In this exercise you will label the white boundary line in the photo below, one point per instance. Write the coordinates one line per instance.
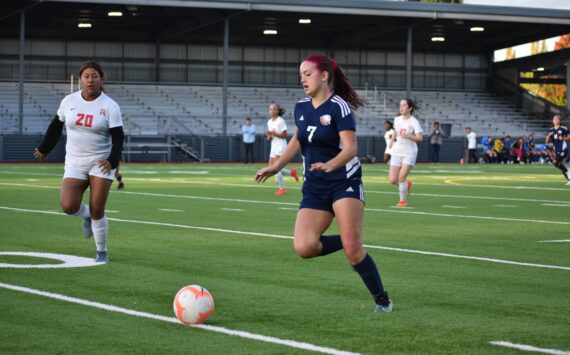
(239, 333)
(529, 348)
(289, 237)
(298, 188)
(398, 210)
(555, 241)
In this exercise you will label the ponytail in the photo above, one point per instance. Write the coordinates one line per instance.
(340, 83)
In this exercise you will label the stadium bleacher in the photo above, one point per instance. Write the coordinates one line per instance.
(174, 109)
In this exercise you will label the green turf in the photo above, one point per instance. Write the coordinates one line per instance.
(442, 304)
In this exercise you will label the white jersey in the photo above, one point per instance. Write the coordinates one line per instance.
(87, 124)
(278, 126)
(406, 147)
(387, 138)
(472, 140)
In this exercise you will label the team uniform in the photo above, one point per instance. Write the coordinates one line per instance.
(278, 145)
(88, 138)
(560, 146)
(318, 135)
(387, 138)
(405, 151)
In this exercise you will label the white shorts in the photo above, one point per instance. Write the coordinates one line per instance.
(398, 160)
(82, 172)
(277, 149)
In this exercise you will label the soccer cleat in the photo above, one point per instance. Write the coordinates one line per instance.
(121, 186)
(281, 192)
(384, 309)
(87, 231)
(568, 183)
(402, 204)
(102, 257)
(383, 303)
(294, 174)
(409, 187)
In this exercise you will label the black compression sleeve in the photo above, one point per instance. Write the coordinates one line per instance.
(117, 137)
(52, 136)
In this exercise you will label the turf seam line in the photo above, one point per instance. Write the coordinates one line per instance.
(238, 333)
(500, 261)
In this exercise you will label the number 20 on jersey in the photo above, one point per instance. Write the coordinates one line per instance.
(84, 120)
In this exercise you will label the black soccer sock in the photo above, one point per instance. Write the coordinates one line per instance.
(563, 169)
(369, 273)
(119, 178)
(331, 244)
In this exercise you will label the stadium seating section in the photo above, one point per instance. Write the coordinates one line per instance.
(170, 109)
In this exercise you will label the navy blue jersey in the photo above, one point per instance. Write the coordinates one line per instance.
(558, 134)
(318, 133)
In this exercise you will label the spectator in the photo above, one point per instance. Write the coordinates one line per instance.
(436, 139)
(248, 130)
(471, 145)
(531, 154)
(508, 150)
(489, 154)
(518, 149)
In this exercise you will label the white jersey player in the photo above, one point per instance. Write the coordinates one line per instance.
(93, 151)
(389, 127)
(404, 148)
(277, 133)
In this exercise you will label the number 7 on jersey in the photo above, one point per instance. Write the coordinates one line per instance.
(311, 130)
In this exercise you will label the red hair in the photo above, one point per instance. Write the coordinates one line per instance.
(340, 83)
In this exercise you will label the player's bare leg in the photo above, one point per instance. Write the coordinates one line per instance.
(70, 200)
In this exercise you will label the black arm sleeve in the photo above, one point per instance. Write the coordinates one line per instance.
(117, 138)
(52, 136)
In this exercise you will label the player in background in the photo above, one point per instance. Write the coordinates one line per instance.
(277, 133)
(326, 136)
(558, 135)
(404, 148)
(93, 151)
(389, 127)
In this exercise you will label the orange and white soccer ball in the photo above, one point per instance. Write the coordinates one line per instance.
(193, 304)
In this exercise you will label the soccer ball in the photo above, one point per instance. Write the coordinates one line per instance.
(193, 304)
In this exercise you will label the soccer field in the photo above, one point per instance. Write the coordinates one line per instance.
(481, 255)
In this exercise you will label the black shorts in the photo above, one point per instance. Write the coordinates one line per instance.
(561, 156)
(321, 196)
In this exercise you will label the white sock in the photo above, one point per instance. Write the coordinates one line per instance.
(279, 178)
(100, 228)
(403, 190)
(285, 171)
(83, 211)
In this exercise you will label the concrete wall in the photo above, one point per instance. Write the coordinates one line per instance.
(20, 148)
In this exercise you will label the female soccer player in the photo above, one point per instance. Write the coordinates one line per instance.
(277, 134)
(93, 150)
(325, 134)
(404, 148)
(557, 135)
(389, 127)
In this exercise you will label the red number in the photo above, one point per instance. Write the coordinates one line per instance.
(79, 121)
(84, 120)
(402, 131)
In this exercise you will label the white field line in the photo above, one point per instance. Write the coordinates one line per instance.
(507, 206)
(232, 209)
(298, 188)
(557, 204)
(166, 210)
(395, 210)
(500, 261)
(239, 333)
(448, 206)
(529, 348)
(555, 241)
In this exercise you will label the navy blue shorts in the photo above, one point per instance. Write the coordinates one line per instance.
(561, 155)
(321, 196)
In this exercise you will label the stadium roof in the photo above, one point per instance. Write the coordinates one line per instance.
(334, 23)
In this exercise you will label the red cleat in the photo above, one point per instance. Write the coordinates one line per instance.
(281, 192)
(294, 174)
(402, 204)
